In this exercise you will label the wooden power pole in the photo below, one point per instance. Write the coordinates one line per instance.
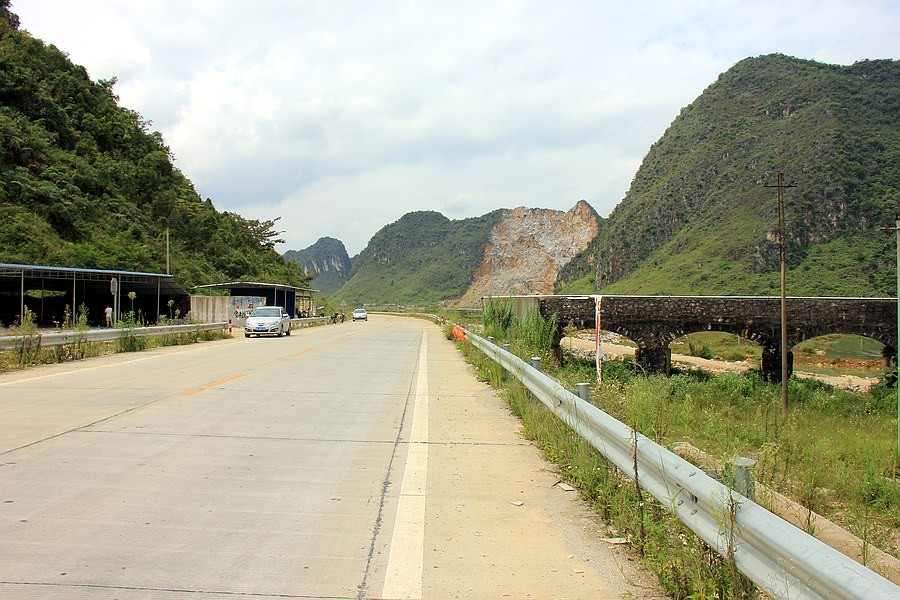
(779, 186)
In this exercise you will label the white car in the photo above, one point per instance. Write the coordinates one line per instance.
(360, 314)
(268, 320)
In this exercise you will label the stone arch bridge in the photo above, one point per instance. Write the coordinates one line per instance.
(652, 322)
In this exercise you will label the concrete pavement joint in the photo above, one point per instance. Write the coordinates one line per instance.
(386, 484)
(77, 370)
(106, 418)
(74, 429)
(298, 439)
(78, 367)
(235, 437)
(170, 590)
(294, 393)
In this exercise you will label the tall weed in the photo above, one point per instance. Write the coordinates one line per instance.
(128, 341)
(533, 335)
(80, 348)
(29, 347)
(499, 317)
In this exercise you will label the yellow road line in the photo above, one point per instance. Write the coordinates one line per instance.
(302, 352)
(213, 384)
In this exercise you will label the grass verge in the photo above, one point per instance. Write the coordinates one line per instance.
(835, 454)
(31, 353)
(685, 565)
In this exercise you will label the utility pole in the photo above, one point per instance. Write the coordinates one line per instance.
(896, 229)
(779, 185)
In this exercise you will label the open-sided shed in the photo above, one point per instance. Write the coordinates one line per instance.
(293, 299)
(48, 290)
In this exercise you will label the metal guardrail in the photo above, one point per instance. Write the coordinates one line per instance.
(13, 342)
(309, 322)
(781, 559)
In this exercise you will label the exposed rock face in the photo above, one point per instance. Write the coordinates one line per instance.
(326, 262)
(317, 266)
(527, 249)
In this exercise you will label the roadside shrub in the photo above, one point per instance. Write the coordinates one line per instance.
(734, 356)
(699, 350)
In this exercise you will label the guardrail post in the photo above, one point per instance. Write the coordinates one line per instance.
(583, 391)
(536, 362)
(491, 339)
(739, 475)
(506, 347)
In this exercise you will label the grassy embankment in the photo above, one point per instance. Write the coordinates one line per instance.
(819, 456)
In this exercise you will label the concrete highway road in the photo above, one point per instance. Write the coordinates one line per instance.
(359, 460)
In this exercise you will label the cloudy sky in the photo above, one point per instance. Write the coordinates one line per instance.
(341, 116)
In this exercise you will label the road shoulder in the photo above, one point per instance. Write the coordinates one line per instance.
(497, 525)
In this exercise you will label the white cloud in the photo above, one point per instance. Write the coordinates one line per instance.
(341, 116)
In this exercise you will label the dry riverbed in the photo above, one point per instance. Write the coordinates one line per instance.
(583, 344)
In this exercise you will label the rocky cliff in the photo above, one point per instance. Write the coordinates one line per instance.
(425, 258)
(326, 262)
(527, 248)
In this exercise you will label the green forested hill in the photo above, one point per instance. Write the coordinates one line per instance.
(86, 183)
(422, 258)
(698, 218)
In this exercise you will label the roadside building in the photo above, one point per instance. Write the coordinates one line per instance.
(49, 291)
(233, 301)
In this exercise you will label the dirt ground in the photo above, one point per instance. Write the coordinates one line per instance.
(585, 347)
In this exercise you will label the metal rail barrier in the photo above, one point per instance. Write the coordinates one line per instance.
(309, 322)
(781, 559)
(13, 342)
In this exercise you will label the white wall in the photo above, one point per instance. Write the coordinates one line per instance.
(234, 309)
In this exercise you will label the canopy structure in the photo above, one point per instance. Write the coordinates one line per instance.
(49, 292)
(292, 298)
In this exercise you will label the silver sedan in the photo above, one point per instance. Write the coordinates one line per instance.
(268, 320)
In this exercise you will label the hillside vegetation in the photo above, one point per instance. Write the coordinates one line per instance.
(422, 258)
(85, 182)
(699, 219)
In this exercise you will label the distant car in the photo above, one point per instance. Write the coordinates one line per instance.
(360, 314)
(268, 320)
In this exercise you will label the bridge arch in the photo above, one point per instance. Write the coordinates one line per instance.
(654, 321)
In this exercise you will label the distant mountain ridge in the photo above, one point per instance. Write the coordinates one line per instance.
(326, 261)
(426, 258)
(700, 219)
(422, 258)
